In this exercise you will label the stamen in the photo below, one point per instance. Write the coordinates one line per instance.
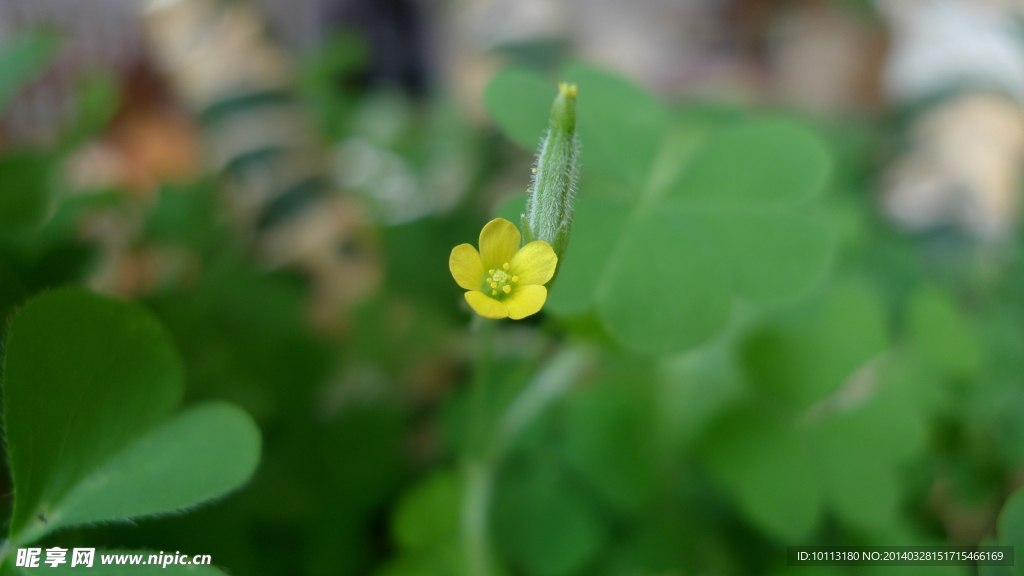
(506, 288)
(515, 278)
(494, 284)
(490, 279)
(491, 272)
(494, 292)
(505, 265)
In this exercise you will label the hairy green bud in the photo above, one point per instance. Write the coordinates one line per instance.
(549, 208)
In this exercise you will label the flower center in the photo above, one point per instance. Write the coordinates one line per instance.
(500, 280)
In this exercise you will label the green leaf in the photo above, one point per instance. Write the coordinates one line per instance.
(940, 335)
(619, 123)
(429, 513)
(22, 59)
(609, 439)
(519, 100)
(994, 570)
(89, 385)
(695, 387)
(1011, 526)
(200, 454)
(98, 101)
(425, 526)
(442, 560)
(544, 524)
(84, 377)
(664, 278)
(183, 215)
(848, 454)
(597, 226)
(808, 354)
(12, 293)
(775, 257)
(769, 162)
(664, 290)
(143, 568)
(24, 189)
(761, 460)
(857, 478)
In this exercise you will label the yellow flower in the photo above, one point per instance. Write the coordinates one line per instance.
(504, 280)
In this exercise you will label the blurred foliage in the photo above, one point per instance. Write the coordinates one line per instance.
(22, 58)
(773, 364)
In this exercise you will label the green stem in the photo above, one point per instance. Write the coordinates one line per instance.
(477, 472)
(551, 382)
(488, 441)
(484, 330)
(477, 483)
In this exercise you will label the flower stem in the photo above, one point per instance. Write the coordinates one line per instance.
(488, 441)
(477, 483)
(477, 472)
(551, 382)
(484, 330)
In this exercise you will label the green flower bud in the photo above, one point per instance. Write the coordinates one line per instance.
(549, 208)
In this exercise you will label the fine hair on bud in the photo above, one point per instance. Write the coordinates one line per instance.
(549, 207)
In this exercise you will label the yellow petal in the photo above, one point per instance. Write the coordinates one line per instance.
(499, 241)
(486, 306)
(466, 266)
(534, 263)
(525, 301)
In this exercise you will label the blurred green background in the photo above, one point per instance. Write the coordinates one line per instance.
(746, 348)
